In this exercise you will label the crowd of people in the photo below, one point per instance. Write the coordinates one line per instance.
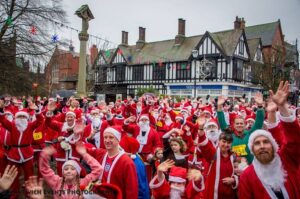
(150, 147)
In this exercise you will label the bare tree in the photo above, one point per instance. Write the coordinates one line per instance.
(30, 21)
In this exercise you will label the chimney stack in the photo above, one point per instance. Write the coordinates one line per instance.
(141, 42)
(243, 23)
(181, 32)
(239, 23)
(124, 38)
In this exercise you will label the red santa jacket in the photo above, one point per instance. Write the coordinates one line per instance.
(161, 190)
(289, 153)
(148, 142)
(20, 142)
(62, 154)
(220, 168)
(126, 181)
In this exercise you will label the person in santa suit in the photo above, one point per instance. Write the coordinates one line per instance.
(66, 139)
(93, 132)
(115, 118)
(212, 131)
(221, 181)
(175, 187)
(146, 136)
(119, 169)
(250, 119)
(20, 153)
(4, 142)
(273, 172)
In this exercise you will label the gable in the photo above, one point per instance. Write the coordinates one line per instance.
(208, 46)
(101, 60)
(241, 48)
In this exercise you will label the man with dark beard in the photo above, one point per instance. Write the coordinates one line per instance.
(20, 152)
(273, 172)
(175, 187)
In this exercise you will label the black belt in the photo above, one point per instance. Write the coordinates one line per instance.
(21, 146)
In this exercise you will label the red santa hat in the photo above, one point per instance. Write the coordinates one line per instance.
(177, 174)
(22, 113)
(212, 121)
(74, 164)
(115, 130)
(185, 109)
(250, 117)
(118, 111)
(144, 116)
(71, 113)
(95, 110)
(179, 116)
(207, 109)
(242, 109)
(261, 132)
(130, 145)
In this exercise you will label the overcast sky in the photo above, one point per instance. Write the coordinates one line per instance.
(160, 17)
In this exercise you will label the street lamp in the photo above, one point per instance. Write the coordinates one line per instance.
(195, 55)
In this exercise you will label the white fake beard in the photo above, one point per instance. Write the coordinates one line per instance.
(144, 126)
(266, 172)
(176, 192)
(96, 122)
(168, 122)
(155, 115)
(21, 124)
(213, 135)
(138, 109)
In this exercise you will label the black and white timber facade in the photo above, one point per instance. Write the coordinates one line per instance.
(170, 67)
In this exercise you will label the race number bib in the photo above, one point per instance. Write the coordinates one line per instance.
(240, 150)
(37, 135)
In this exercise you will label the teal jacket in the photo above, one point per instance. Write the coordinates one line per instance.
(240, 143)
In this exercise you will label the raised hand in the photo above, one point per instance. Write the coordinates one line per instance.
(271, 107)
(166, 165)
(258, 98)
(282, 93)
(51, 106)
(80, 148)
(221, 100)
(34, 187)
(32, 106)
(8, 177)
(194, 174)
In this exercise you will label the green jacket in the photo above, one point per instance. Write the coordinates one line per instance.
(240, 144)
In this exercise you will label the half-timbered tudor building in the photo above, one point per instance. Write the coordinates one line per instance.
(170, 67)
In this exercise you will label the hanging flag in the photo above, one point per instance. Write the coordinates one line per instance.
(183, 66)
(107, 53)
(54, 38)
(33, 30)
(178, 67)
(188, 67)
(9, 21)
(119, 52)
